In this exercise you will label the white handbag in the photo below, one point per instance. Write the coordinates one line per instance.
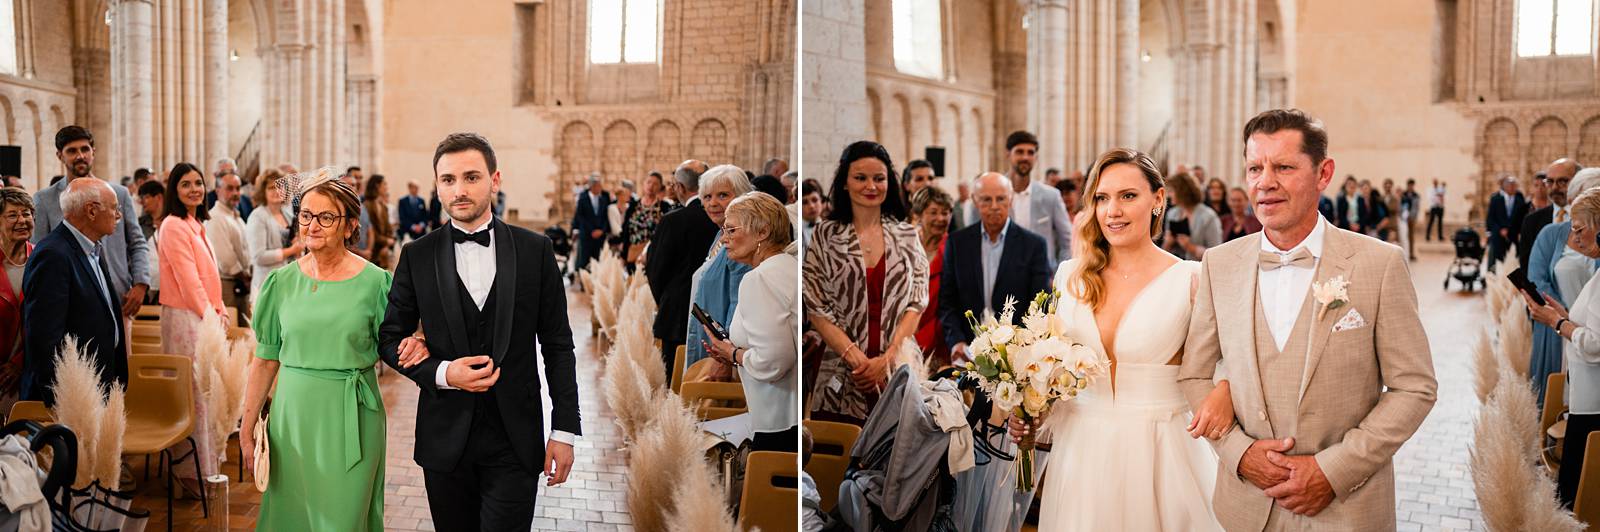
(263, 454)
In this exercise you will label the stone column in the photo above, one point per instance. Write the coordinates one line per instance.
(834, 81)
(217, 63)
(1047, 81)
(1127, 119)
(132, 58)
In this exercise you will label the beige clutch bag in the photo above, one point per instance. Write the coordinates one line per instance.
(262, 455)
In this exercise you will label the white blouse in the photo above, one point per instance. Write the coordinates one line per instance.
(1583, 351)
(766, 324)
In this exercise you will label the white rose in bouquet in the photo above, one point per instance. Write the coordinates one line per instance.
(1006, 396)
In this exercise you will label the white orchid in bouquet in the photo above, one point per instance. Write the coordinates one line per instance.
(1025, 370)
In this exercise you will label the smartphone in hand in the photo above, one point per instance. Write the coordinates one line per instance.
(1519, 278)
(704, 318)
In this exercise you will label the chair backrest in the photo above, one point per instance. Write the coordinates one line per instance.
(677, 370)
(714, 400)
(831, 444)
(159, 387)
(146, 331)
(1554, 399)
(148, 312)
(1586, 505)
(144, 348)
(771, 490)
(32, 411)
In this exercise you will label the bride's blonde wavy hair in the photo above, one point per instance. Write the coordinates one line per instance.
(1091, 248)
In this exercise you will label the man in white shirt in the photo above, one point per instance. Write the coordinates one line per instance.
(225, 232)
(1035, 206)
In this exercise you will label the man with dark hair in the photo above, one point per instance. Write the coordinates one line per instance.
(140, 176)
(1052, 176)
(1035, 206)
(150, 195)
(681, 242)
(126, 253)
(917, 175)
(1069, 195)
(489, 301)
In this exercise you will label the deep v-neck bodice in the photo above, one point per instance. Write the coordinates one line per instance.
(1160, 310)
(1133, 304)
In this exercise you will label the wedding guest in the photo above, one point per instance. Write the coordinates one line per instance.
(1504, 227)
(680, 244)
(917, 175)
(1554, 184)
(1390, 222)
(1217, 197)
(1070, 196)
(642, 218)
(715, 284)
(268, 233)
(375, 221)
(1035, 206)
(865, 283)
(763, 337)
(1560, 271)
(16, 225)
(589, 223)
(988, 263)
(1581, 330)
(1374, 212)
(1239, 221)
(811, 202)
(625, 200)
(1191, 224)
(1352, 207)
(150, 196)
(192, 288)
(413, 213)
(1052, 176)
(126, 255)
(930, 214)
(1436, 199)
(317, 338)
(1410, 201)
(65, 281)
(225, 234)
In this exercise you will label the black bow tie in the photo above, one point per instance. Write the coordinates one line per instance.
(458, 236)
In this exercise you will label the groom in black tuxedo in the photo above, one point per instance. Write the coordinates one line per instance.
(485, 293)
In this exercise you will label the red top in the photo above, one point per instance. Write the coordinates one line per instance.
(875, 309)
(930, 332)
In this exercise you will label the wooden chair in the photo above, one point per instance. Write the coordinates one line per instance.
(714, 400)
(677, 370)
(770, 497)
(144, 348)
(32, 411)
(146, 332)
(831, 444)
(1586, 504)
(1550, 434)
(160, 413)
(148, 313)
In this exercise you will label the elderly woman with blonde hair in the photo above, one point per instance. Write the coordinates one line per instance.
(763, 340)
(1558, 270)
(1581, 330)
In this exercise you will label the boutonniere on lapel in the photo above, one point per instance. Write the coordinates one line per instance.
(1330, 295)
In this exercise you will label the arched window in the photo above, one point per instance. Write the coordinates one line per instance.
(1555, 27)
(8, 37)
(623, 31)
(919, 38)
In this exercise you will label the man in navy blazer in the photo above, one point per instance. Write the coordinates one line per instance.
(1504, 222)
(589, 222)
(413, 214)
(987, 262)
(70, 292)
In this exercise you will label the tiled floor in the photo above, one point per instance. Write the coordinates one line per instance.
(592, 499)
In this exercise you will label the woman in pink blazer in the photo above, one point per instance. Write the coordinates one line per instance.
(190, 288)
(16, 225)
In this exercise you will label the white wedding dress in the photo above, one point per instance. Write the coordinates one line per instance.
(1124, 460)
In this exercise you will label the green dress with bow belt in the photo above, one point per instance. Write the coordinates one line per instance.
(327, 424)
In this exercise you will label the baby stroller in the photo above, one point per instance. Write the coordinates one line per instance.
(560, 243)
(1467, 268)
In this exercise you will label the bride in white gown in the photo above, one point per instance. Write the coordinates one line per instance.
(1126, 454)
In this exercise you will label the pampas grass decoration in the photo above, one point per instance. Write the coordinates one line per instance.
(108, 449)
(79, 405)
(1512, 492)
(1485, 367)
(1495, 296)
(628, 394)
(656, 462)
(1516, 335)
(910, 355)
(697, 502)
(210, 361)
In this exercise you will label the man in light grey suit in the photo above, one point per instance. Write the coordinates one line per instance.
(1035, 206)
(1329, 366)
(126, 251)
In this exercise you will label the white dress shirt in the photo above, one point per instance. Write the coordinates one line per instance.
(765, 323)
(1583, 352)
(1022, 209)
(1283, 291)
(225, 232)
(475, 265)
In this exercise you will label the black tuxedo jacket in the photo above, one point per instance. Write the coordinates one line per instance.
(1531, 225)
(530, 320)
(60, 298)
(1024, 272)
(677, 249)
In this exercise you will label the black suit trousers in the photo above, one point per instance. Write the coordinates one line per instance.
(488, 490)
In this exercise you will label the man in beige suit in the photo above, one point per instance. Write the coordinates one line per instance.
(1327, 383)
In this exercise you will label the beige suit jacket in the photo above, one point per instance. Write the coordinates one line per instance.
(1364, 392)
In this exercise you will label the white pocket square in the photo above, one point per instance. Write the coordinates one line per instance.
(1351, 320)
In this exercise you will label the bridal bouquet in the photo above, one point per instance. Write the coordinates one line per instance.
(1027, 369)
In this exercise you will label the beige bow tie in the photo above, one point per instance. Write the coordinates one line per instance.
(1301, 258)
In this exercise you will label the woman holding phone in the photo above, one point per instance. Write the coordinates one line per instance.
(1581, 330)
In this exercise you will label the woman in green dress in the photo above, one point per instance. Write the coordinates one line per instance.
(316, 324)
